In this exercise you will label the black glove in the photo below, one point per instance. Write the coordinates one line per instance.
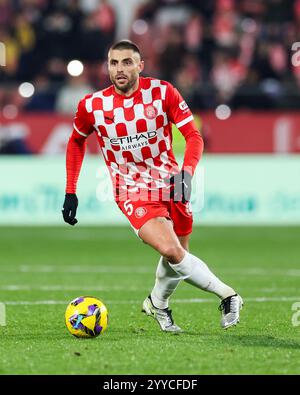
(69, 208)
(181, 187)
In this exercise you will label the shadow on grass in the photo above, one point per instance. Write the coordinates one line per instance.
(261, 341)
(244, 340)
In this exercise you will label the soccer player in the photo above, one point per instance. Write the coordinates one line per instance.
(132, 119)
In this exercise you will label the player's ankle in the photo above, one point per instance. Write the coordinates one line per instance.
(158, 303)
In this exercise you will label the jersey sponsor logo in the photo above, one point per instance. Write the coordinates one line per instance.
(133, 141)
(140, 212)
(150, 111)
(183, 106)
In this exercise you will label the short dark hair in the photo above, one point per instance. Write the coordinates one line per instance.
(126, 44)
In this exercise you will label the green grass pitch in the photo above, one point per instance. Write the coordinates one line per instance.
(42, 269)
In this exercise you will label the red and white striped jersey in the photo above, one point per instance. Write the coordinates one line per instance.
(135, 132)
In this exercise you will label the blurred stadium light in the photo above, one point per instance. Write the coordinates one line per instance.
(26, 89)
(75, 68)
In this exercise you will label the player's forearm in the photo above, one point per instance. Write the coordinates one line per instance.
(193, 150)
(74, 157)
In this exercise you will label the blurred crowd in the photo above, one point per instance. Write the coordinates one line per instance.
(236, 52)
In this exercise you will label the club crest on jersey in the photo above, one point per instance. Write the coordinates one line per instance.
(150, 111)
(140, 212)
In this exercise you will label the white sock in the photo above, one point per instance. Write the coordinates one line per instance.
(166, 282)
(194, 271)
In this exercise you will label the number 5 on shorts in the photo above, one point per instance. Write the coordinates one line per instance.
(128, 207)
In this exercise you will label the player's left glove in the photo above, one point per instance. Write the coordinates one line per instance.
(181, 187)
(70, 208)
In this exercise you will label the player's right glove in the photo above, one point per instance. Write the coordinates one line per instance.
(70, 208)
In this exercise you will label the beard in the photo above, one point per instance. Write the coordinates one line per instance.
(124, 87)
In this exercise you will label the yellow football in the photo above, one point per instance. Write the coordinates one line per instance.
(86, 317)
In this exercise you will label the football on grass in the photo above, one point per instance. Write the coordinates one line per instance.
(86, 317)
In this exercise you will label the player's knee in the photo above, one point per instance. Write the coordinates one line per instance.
(173, 253)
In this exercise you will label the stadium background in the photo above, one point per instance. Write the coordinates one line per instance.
(232, 61)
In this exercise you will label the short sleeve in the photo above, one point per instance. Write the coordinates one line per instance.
(81, 122)
(177, 110)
